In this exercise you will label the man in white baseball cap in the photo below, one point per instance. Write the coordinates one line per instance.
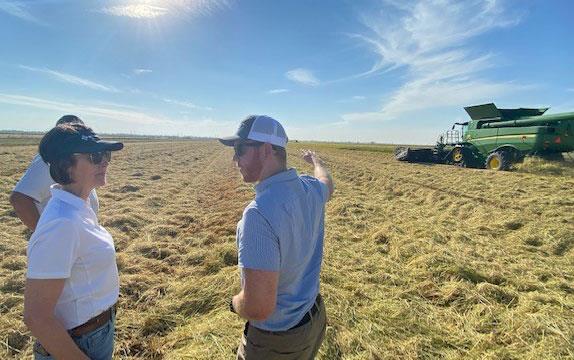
(280, 245)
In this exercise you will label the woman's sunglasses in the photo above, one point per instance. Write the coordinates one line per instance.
(241, 148)
(96, 158)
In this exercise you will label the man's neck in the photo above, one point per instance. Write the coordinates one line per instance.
(266, 173)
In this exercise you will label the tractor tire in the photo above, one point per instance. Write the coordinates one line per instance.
(457, 156)
(499, 161)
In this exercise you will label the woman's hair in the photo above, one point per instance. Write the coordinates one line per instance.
(60, 170)
(50, 145)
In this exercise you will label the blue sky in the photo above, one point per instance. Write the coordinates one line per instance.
(387, 71)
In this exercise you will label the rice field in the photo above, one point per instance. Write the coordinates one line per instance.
(421, 261)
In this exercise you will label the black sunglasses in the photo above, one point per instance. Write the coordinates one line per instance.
(96, 158)
(240, 148)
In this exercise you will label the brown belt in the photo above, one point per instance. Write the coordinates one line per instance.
(93, 323)
(80, 330)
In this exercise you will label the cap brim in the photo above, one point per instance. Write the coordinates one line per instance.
(111, 145)
(100, 146)
(229, 141)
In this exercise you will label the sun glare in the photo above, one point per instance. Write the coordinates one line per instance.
(149, 9)
(139, 11)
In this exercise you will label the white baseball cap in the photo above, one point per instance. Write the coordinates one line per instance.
(260, 128)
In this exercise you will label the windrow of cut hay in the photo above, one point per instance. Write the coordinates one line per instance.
(420, 261)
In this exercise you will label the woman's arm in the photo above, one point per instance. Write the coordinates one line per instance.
(40, 298)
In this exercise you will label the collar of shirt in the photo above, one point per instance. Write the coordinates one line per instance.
(67, 197)
(289, 174)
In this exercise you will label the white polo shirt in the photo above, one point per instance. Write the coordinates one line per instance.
(70, 244)
(36, 183)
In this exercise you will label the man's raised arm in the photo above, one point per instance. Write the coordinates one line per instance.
(320, 170)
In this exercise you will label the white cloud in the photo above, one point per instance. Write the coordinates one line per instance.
(71, 79)
(149, 9)
(18, 9)
(117, 112)
(277, 91)
(199, 7)
(187, 104)
(138, 11)
(352, 100)
(114, 117)
(141, 71)
(363, 117)
(302, 76)
(206, 127)
(429, 40)
(116, 105)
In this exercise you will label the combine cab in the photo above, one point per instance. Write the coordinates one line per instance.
(497, 138)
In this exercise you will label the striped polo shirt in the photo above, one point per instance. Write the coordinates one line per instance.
(282, 230)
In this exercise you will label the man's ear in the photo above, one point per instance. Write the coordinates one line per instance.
(267, 151)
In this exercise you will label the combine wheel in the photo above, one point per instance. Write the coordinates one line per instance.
(499, 161)
(457, 156)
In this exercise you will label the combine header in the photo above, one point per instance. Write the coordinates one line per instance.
(497, 138)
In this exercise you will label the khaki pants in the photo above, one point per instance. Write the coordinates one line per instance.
(302, 342)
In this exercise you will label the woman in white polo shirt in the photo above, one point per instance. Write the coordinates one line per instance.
(72, 278)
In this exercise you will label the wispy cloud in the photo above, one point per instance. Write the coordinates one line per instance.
(145, 121)
(429, 41)
(188, 104)
(116, 105)
(71, 79)
(141, 71)
(277, 91)
(138, 11)
(19, 10)
(199, 7)
(352, 100)
(115, 112)
(154, 9)
(302, 76)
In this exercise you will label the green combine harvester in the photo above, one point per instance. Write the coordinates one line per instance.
(498, 138)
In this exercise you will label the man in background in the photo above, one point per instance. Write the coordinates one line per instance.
(32, 192)
(280, 246)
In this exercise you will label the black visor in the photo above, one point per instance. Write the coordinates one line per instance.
(88, 143)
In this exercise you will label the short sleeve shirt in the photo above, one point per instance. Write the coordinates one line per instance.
(36, 183)
(282, 230)
(70, 244)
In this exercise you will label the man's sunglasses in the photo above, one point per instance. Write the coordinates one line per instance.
(241, 148)
(96, 158)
